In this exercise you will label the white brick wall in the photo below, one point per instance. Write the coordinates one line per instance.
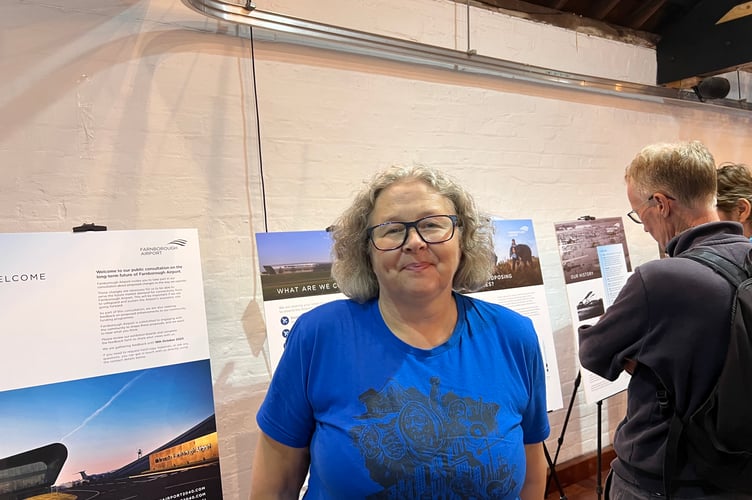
(141, 115)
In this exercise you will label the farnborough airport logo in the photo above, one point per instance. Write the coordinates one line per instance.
(158, 250)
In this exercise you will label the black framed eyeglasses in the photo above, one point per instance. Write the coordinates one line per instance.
(635, 216)
(433, 229)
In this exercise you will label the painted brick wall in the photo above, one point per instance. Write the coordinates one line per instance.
(142, 114)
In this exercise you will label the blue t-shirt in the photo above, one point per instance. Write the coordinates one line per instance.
(384, 419)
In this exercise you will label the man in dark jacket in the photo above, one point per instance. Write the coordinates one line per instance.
(670, 323)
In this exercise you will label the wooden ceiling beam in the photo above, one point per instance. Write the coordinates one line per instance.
(604, 9)
(646, 11)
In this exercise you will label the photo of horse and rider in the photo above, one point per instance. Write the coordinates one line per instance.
(517, 263)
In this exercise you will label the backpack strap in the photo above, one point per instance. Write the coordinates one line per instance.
(723, 266)
(671, 459)
(734, 274)
(666, 407)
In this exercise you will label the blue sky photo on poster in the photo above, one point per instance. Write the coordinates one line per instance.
(517, 262)
(104, 421)
(520, 230)
(291, 248)
(295, 264)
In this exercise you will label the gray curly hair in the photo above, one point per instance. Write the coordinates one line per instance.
(351, 267)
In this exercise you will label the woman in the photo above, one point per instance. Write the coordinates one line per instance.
(408, 389)
(734, 200)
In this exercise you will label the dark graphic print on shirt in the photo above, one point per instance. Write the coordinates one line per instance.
(431, 445)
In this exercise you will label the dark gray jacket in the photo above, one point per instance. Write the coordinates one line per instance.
(673, 318)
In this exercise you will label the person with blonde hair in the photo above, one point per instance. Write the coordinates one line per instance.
(670, 324)
(735, 195)
(408, 389)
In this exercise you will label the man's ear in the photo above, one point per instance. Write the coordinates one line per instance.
(744, 207)
(663, 204)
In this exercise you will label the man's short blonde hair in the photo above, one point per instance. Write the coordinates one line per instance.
(683, 170)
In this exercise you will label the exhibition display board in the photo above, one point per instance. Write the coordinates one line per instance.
(595, 259)
(295, 277)
(105, 384)
(517, 283)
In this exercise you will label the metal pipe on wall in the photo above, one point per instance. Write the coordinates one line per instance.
(279, 28)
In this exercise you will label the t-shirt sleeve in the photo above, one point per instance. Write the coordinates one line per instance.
(535, 424)
(286, 414)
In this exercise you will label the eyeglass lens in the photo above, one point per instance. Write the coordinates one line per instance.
(432, 229)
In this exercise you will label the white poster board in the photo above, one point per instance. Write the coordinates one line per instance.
(106, 362)
(296, 276)
(517, 283)
(595, 260)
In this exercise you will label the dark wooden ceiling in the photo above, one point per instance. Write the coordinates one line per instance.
(651, 17)
(693, 38)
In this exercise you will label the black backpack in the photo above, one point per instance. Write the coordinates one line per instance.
(718, 436)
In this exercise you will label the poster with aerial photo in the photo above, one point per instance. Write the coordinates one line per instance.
(105, 385)
(595, 260)
(517, 283)
(296, 276)
(578, 246)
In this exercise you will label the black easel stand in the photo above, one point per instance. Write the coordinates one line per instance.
(552, 468)
(599, 456)
(560, 441)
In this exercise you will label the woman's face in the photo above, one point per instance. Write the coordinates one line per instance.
(417, 270)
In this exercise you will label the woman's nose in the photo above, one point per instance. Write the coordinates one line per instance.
(413, 239)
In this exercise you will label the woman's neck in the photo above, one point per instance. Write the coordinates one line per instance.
(421, 325)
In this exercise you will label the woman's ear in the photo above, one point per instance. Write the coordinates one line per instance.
(744, 208)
